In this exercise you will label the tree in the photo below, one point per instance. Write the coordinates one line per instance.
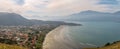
(107, 44)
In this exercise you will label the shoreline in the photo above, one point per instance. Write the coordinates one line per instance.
(44, 43)
(57, 39)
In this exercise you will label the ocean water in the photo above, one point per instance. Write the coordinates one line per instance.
(94, 33)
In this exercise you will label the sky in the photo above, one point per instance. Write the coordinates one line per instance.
(48, 8)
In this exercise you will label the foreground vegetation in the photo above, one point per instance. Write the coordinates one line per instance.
(6, 46)
(114, 45)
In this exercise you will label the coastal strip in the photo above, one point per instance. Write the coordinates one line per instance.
(57, 39)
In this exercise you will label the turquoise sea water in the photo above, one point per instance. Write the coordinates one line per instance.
(95, 33)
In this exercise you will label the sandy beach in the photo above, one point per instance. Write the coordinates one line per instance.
(56, 39)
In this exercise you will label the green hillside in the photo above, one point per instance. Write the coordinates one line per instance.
(115, 45)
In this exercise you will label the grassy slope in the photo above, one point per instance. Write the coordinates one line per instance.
(5, 46)
(113, 46)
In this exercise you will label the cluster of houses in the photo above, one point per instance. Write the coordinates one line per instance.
(23, 35)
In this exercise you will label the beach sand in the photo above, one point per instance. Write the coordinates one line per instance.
(56, 39)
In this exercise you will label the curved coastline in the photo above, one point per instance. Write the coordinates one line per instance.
(57, 39)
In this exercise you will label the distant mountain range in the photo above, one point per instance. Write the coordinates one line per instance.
(93, 16)
(12, 19)
(16, 19)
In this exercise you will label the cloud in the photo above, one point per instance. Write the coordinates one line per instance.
(31, 8)
(19, 2)
(111, 2)
(66, 7)
(111, 5)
